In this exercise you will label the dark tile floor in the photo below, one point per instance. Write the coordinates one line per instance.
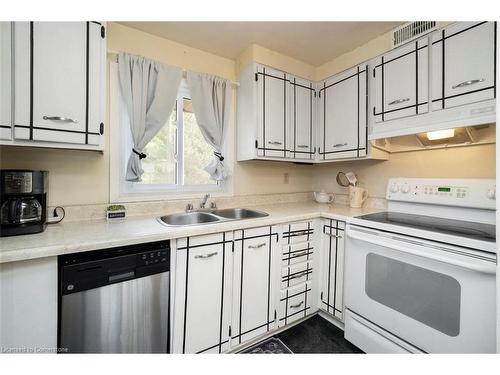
(316, 335)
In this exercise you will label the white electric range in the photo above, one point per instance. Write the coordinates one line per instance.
(420, 277)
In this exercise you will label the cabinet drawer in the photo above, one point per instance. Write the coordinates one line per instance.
(296, 274)
(295, 303)
(298, 232)
(298, 253)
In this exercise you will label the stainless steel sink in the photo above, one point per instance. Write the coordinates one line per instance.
(239, 213)
(189, 218)
(197, 217)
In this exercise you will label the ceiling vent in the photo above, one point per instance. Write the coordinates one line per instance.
(410, 31)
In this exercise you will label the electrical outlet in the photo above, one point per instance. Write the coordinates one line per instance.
(286, 178)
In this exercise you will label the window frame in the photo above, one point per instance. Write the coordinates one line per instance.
(121, 144)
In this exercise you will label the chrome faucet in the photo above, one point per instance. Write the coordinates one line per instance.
(204, 201)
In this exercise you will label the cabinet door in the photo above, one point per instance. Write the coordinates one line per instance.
(301, 115)
(344, 115)
(332, 260)
(401, 82)
(463, 64)
(59, 74)
(28, 308)
(5, 81)
(253, 302)
(272, 108)
(202, 294)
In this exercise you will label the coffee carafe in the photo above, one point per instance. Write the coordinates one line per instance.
(23, 202)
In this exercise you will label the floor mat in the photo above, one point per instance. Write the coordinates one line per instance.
(272, 345)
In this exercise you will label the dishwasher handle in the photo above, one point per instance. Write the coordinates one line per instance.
(413, 249)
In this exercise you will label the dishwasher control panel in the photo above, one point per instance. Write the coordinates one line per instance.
(93, 269)
(153, 257)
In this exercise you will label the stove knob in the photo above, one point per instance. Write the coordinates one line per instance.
(394, 188)
(405, 189)
(491, 194)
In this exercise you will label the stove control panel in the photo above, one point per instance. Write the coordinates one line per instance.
(477, 193)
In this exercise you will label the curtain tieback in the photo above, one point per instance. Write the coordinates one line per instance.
(141, 154)
(219, 155)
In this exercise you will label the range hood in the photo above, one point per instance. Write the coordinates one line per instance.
(443, 138)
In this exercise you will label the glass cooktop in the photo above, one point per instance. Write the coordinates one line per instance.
(476, 231)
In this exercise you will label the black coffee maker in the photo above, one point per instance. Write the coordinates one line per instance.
(23, 202)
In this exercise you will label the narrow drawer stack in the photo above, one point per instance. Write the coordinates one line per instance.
(297, 251)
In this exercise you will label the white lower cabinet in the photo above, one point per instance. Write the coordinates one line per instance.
(233, 287)
(202, 294)
(28, 308)
(253, 283)
(297, 281)
(332, 262)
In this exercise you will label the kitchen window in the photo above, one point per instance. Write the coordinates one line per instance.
(176, 156)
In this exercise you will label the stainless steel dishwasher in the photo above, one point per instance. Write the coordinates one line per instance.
(115, 300)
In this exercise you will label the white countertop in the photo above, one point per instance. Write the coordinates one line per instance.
(73, 237)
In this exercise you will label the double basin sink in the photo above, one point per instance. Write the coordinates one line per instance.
(210, 217)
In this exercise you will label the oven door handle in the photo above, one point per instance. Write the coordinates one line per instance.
(409, 248)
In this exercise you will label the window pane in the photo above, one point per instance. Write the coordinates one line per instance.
(197, 152)
(160, 165)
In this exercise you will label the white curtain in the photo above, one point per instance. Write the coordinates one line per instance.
(149, 90)
(211, 97)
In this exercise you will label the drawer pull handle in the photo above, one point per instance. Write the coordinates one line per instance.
(257, 246)
(399, 101)
(340, 144)
(205, 256)
(299, 254)
(302, 146)
(58, 118)
(299, 275)
(468, 83)
(297, 305)
(274, 143)
(302, 233)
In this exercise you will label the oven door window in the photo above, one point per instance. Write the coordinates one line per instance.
(429, 297)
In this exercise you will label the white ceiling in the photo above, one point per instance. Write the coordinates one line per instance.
(312, 42)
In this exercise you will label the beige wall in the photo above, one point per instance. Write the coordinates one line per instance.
(276, 60)
(460, 162)
(82, 177)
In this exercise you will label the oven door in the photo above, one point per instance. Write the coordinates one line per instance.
(438, 297)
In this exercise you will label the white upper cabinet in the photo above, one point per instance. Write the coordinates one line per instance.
(302, 100)
(59, 82)
(275, 115)
(343, 115)
(463, 64)
(272, 112)
(401, 82)
(5, 81)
